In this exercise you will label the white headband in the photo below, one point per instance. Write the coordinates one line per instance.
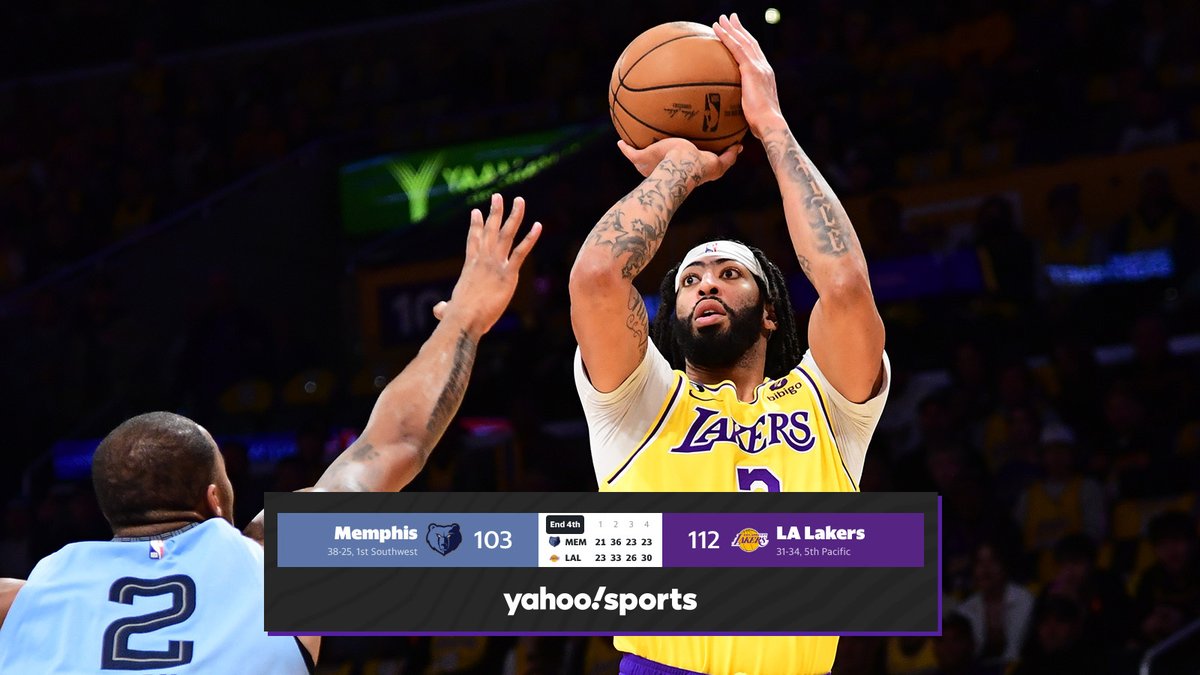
(721, 250)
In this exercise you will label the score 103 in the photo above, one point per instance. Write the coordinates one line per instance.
(492, 539)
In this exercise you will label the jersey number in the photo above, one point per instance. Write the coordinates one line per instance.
(118, 655)
(757, 479)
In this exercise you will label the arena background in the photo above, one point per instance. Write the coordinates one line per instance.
(179, 230)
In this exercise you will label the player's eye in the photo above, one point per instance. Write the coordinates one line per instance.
(689, 279)
(730, 273)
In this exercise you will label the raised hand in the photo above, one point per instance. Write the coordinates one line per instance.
(711, 165)
(760, 96)
(490, 270)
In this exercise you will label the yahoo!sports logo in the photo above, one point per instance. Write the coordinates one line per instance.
(769, 429)
(750, 540)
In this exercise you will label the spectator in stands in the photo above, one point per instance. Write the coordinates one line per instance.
(1159, 220)
(1005, 252)
(1063, 501)
(1057, 645)
(261, 142)
(1128, 447)
(1067, 239)
(999, 611)
(136, 204)
(1106, 606)
(886, 235)
(1150, 122)
(956, 648)
(971, 519)
(1015, 462)
(1171, 586)
(910, 655)
(1073, 381)
(1163, 382)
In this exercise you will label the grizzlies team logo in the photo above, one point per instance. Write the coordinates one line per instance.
(555, 541)
(443, 538)
(750, 540)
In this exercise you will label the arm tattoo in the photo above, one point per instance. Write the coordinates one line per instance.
(452, 391)
(363, 453)
(805, 266)
(637, 320)
(832, 233)
(636, 236)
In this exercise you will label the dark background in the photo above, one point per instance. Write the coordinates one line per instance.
(170, 239)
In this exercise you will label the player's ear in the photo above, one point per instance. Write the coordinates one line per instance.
(770, 323)
(212, 499)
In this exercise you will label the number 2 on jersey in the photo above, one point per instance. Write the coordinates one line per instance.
(118, 655)
(757, 479)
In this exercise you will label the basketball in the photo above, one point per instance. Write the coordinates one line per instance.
(677, 80)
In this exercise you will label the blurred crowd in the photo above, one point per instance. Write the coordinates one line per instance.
(881, 96)
(1069, 469)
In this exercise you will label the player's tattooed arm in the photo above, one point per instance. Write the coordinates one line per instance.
(832, 234)
(845, 332)
(415, 408)
(607, 312)
(631, 231)
(410, 417)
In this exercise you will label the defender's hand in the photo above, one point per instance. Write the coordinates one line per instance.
(490, 271)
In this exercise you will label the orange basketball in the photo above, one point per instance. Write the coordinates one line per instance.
(677, 80)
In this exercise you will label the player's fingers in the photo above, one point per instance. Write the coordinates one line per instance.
(495, 212)
(475, 231)
(522, 249)
(725, 34)
(512, 223)
(730, 155)
(744, 34)
(749, 46)
(439, 310)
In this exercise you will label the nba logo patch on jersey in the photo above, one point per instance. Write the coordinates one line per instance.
(443, 538)
(158, 549)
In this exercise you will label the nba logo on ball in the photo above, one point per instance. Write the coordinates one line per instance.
(712, 111)
(750, 540)
(158, 550)
(443, 538)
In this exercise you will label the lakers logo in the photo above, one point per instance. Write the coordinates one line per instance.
(750, 540)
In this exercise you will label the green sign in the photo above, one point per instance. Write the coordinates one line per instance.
(383, 193)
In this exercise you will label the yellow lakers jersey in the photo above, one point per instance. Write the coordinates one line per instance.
(707, 440)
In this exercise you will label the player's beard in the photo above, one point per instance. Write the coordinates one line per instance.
(720, 346)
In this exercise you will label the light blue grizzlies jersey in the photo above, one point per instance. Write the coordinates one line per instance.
(190, 603)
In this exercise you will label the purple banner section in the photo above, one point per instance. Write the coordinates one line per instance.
(793, 539)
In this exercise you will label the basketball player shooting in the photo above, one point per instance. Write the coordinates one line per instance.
(717, 395)
(179, 589)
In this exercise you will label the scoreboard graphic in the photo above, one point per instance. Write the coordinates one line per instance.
(571, 563)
